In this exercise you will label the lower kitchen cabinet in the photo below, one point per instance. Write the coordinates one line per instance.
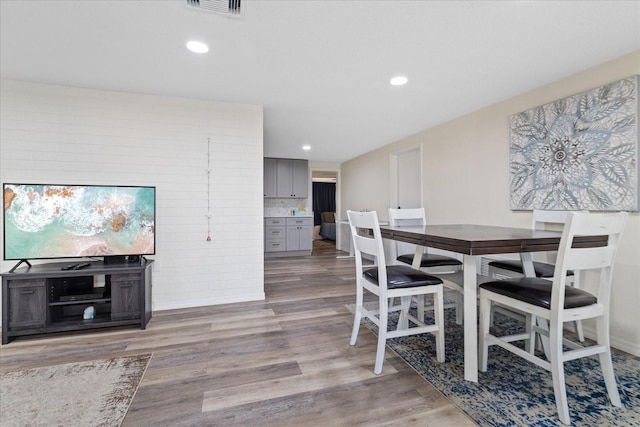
(288, 236)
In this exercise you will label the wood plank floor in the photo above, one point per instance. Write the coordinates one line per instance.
(285, 361)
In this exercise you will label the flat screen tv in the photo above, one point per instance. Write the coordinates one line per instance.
(44, 221)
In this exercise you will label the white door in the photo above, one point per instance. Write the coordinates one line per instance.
(409, 179)
(406, 178)
(406, 185)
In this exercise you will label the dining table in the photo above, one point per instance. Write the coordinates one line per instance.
(473, 241)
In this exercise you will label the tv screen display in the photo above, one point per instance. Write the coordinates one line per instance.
(66, 221)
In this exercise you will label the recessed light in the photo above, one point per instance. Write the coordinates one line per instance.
(197, 47)
(399, 80)
(306, 147)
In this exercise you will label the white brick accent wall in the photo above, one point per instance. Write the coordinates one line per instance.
(65, 135)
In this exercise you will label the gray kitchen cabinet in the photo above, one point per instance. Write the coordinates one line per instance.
(300, 178)
(269, 177)
(275, 239)
(288, 236)
(286, 178)
(299, 234)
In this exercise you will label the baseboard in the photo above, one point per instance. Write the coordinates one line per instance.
(173, 305)
(617, 343)
(286, 254)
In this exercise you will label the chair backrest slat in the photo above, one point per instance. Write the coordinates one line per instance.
(366, 245)
(369, 242)
(589, 258)
(415, 216)
(542, 217)
(367, 239)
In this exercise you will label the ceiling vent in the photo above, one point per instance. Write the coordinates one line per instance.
(224, 7)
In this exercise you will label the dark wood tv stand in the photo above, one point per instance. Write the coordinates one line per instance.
(34, 301)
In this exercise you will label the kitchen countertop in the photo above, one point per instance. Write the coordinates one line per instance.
(289, 216)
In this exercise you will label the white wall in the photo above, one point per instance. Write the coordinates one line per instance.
(64, 135)
(466, 180)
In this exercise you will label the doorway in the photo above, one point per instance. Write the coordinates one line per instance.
(325, 198)
(406, 178)
(406, 184)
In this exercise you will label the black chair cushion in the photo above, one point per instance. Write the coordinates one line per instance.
(401, 276)
(542, 269)
(538, 292)
(430, 260)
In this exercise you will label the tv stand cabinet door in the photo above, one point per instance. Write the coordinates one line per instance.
(27, 303)
(126, 296)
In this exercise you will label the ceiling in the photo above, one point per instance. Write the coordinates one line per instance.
(320, 69)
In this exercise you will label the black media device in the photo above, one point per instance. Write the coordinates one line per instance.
(115, 259)
(70, 288)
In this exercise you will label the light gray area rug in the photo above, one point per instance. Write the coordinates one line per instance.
(92, 393)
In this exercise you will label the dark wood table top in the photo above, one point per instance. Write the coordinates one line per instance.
(473, 239)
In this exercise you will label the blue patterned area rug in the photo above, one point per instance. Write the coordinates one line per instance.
(515, 392)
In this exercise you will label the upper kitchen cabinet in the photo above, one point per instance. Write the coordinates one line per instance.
(269, 177)
(299, 179)
(291, 178)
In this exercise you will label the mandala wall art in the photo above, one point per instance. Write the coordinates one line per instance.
(578, 153)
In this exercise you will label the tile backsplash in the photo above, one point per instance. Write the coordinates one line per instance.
(283, 207)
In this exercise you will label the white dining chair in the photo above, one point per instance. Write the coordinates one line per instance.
(541, 220)
(390, 281)
(556, 302)
(430, 263)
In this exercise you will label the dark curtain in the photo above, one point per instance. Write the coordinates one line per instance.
(324, 199)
